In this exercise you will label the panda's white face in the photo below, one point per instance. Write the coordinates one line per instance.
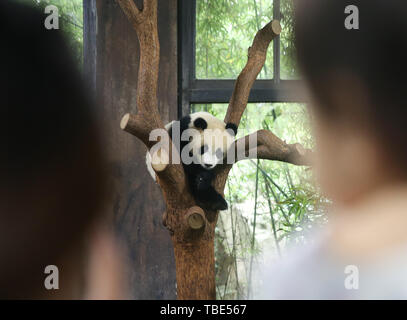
(209, 147)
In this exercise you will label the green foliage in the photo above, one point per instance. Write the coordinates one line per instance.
(70, 22)
(225, 30)
(287, 48)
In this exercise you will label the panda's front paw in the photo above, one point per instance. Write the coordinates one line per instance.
(218, 203)
(221, 205)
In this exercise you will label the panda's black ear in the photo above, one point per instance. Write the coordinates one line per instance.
(184, 123)
(232, 126)
(200, 123)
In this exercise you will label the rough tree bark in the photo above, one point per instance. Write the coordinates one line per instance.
(192, 230)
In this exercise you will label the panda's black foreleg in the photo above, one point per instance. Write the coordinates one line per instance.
(205, 194)
(210, 199)
(202, 181)
(214, 200)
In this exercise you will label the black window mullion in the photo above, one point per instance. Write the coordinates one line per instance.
(276, 43)
(186, 53)
(220, 91)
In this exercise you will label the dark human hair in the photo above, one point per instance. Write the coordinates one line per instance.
(375, 54)
(51, 166)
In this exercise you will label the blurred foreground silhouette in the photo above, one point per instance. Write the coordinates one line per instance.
(52, 172)
(357, 81)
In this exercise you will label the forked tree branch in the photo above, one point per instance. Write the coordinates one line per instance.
(269, 146)
(256, 58)
(130, 10)
(134, 14)
(148, 118)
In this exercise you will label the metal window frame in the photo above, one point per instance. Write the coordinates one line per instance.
(194, 91)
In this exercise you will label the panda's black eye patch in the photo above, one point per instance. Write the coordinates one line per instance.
(191, 153)
(204, 149)
(219, 153)
(200, 123)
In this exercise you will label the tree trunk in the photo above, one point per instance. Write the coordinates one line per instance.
(195, 268)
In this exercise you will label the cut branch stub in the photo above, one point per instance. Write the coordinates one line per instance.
(160, 160)
(195, 218)
(193, 226)
(275, 27)
(170, 175)
(138, 126)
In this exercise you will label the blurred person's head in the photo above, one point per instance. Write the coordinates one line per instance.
(52, 182)
(358, 85)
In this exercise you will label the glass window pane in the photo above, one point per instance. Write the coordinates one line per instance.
(286, 196)
(288, 66)
(225, 30)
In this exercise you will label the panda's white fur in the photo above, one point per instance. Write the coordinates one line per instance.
(149, 166)
(212, 121)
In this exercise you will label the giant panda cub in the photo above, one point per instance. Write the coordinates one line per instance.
(206, 147)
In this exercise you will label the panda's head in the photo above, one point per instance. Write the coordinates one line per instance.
(211, 139)
(208, 147)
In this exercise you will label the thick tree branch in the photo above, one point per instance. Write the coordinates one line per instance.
(271, 147)
(145, 24)
(268, 146)
(256, 58)
(148, 117)
(138, 126)
(150, 6)
(262, 144)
